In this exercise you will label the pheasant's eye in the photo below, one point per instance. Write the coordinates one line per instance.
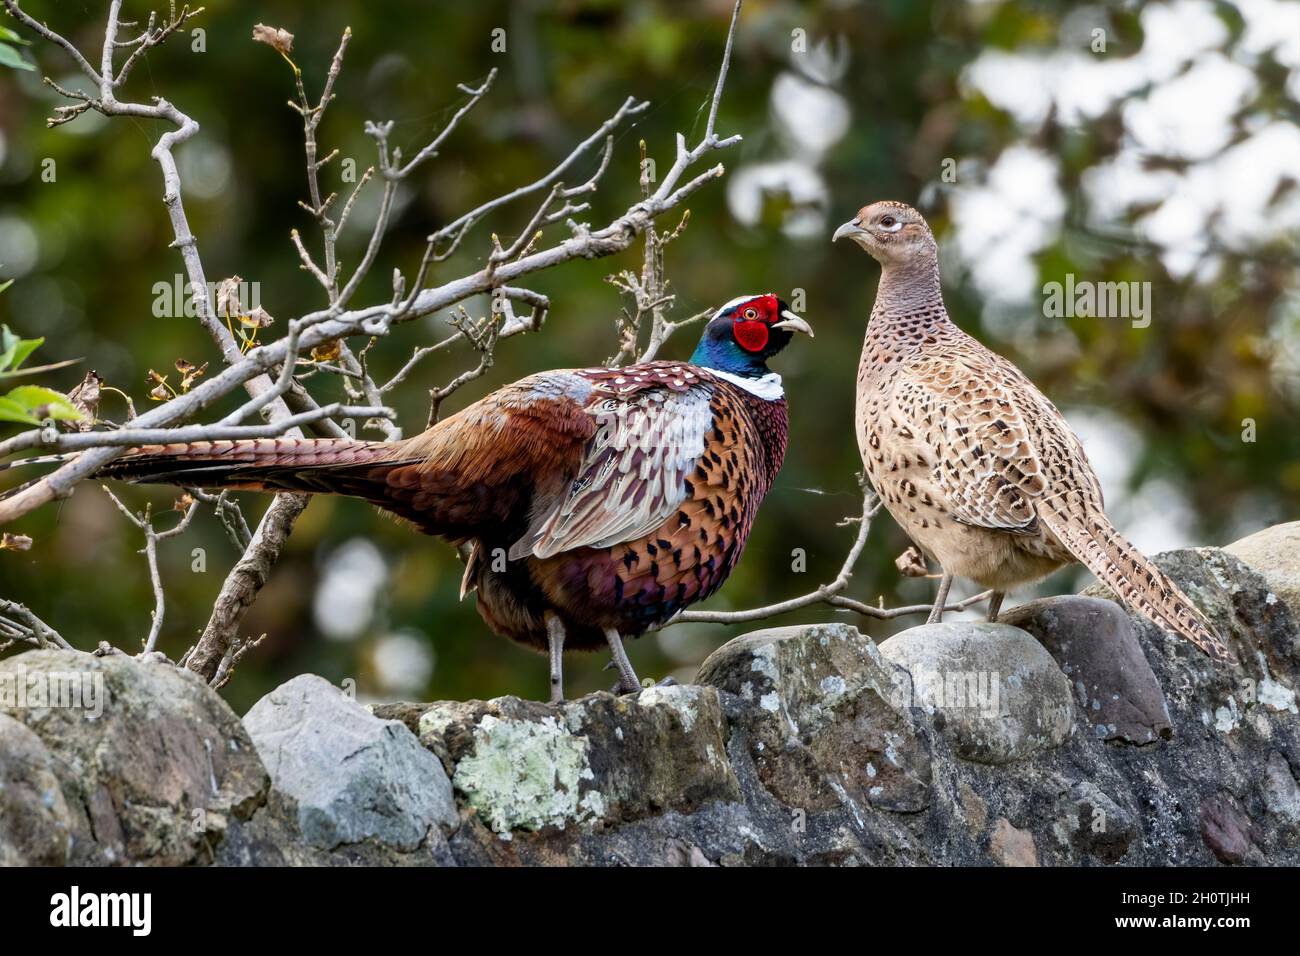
(888, 221)
(751, 314)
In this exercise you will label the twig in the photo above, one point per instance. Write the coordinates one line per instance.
(230, 513)
(235, 653)
(28, 627)
(144, 521)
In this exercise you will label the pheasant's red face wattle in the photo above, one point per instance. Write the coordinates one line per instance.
(752, 335)
(751, 322)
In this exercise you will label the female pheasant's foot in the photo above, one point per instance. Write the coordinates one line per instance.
(936, 613)
(995, 605)
(627, 678)
(555, 641)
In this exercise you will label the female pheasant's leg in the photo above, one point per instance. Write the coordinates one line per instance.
(936, 613)
(631, 684)
(995, 605)
(555, 640)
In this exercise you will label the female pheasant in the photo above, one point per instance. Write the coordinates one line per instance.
(974, 462)
(595, 503)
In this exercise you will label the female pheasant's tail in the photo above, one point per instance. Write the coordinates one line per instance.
(315, 466)
(1093, 540)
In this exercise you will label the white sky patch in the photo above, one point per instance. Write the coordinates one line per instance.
(1229, 198)
(1081, 84)
(814, 118)
(1002, 223)
(349, 588)
(404, 662)
(750, 185)
(1272, 26)
(1189, 117)
(809, 118)
(1224, 197)
(205, 168)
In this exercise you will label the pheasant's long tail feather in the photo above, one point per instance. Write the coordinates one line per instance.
(1093, 540)
(331, 466)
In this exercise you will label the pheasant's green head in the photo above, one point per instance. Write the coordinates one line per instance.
(745, 333)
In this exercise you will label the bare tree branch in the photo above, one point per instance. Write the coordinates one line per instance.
(19, 623)
(144, 521)
(242, 586)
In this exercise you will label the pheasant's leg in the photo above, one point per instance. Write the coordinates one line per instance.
(627, 675)
(936, 613)
(995, 604)
(555, 640)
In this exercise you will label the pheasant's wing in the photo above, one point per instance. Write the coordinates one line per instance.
(652, 424)
(478, 468)
(1000, 443)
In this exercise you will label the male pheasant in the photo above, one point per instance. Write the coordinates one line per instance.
(595, 503)
(974, 462)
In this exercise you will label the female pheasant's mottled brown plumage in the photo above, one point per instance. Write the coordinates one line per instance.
(976, 464)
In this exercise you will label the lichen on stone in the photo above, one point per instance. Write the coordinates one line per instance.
(527, 775)
(682, 698)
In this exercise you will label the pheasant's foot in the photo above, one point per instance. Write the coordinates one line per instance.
(995, 605)
(626, 674)
(936, 613)
(555, 642)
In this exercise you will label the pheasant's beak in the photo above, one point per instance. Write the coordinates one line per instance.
(850, 228)
(795, 324)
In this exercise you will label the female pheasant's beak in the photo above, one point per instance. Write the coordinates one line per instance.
(850, 228)
(795, 324)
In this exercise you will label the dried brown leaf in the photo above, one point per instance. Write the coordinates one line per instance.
(259, 318)
(85, 399)
(189, 373)
(14, 542)
(280, 40)
(228, 297)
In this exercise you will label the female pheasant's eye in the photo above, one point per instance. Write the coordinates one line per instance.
(888, 221)
(751, 314)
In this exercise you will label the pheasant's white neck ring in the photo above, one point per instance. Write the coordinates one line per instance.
(767, 387)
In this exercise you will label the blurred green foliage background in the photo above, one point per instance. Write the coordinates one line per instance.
(840, 103)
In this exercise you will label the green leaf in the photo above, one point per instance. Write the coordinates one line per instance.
(14, 351)
(7, 34)
(6, 284)
(34, 404)
(11, 57)
(11, 411)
